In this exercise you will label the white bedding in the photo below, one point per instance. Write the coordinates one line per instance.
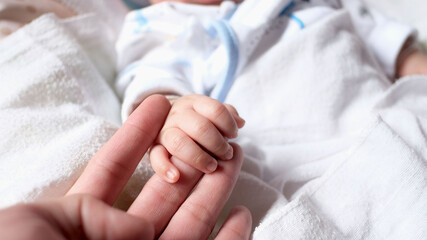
(361, 177)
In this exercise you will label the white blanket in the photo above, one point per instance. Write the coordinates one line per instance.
(333, 150)
(344, 158)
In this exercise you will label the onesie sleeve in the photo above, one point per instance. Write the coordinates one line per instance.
(149, 60)
(385, 37)
(147, 79)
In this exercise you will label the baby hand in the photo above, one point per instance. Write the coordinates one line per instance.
(414, 63)
(196, 131)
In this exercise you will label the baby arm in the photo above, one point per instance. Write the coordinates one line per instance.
(196, 131)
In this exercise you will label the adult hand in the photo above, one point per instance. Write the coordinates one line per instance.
(162, 210)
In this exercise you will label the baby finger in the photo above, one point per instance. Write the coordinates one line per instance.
(183, 147)
(160, 162)
(205, 134)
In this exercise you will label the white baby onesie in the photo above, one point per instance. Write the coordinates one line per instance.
(176, 48)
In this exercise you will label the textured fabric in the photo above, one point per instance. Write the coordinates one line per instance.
(56, 106)
(14, 13)
(167, 48)
(332, 149)
(110, 13)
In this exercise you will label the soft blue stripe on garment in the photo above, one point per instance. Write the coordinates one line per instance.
(299, 21)
(231, 13)
(287, 9)
(141, 20)
(286, 12)
(224, 31)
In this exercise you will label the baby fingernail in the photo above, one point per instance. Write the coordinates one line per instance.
(212, 166)
(171, 174)
(229, 154)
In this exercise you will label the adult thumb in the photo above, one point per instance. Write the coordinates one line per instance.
(93, 219)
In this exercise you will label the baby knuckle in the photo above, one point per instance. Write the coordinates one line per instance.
(217, 110)
(175, 141)
(220, 147)
(177, 144)
(230, 107)
(173, 112)
(202, 128)
(199, 159)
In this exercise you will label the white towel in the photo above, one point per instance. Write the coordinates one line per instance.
(56, 106)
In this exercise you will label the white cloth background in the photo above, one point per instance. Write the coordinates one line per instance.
(351, 148)
(406, 11)
(333, 150)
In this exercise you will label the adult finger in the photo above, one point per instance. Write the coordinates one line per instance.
(92, 219)
(111, 167)
(159, 200)
(198, 214)
(237, 226)
(72, 217)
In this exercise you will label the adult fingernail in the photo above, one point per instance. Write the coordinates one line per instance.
(212, 166)
(229, 154)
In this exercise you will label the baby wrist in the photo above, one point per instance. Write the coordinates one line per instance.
(408, 48)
